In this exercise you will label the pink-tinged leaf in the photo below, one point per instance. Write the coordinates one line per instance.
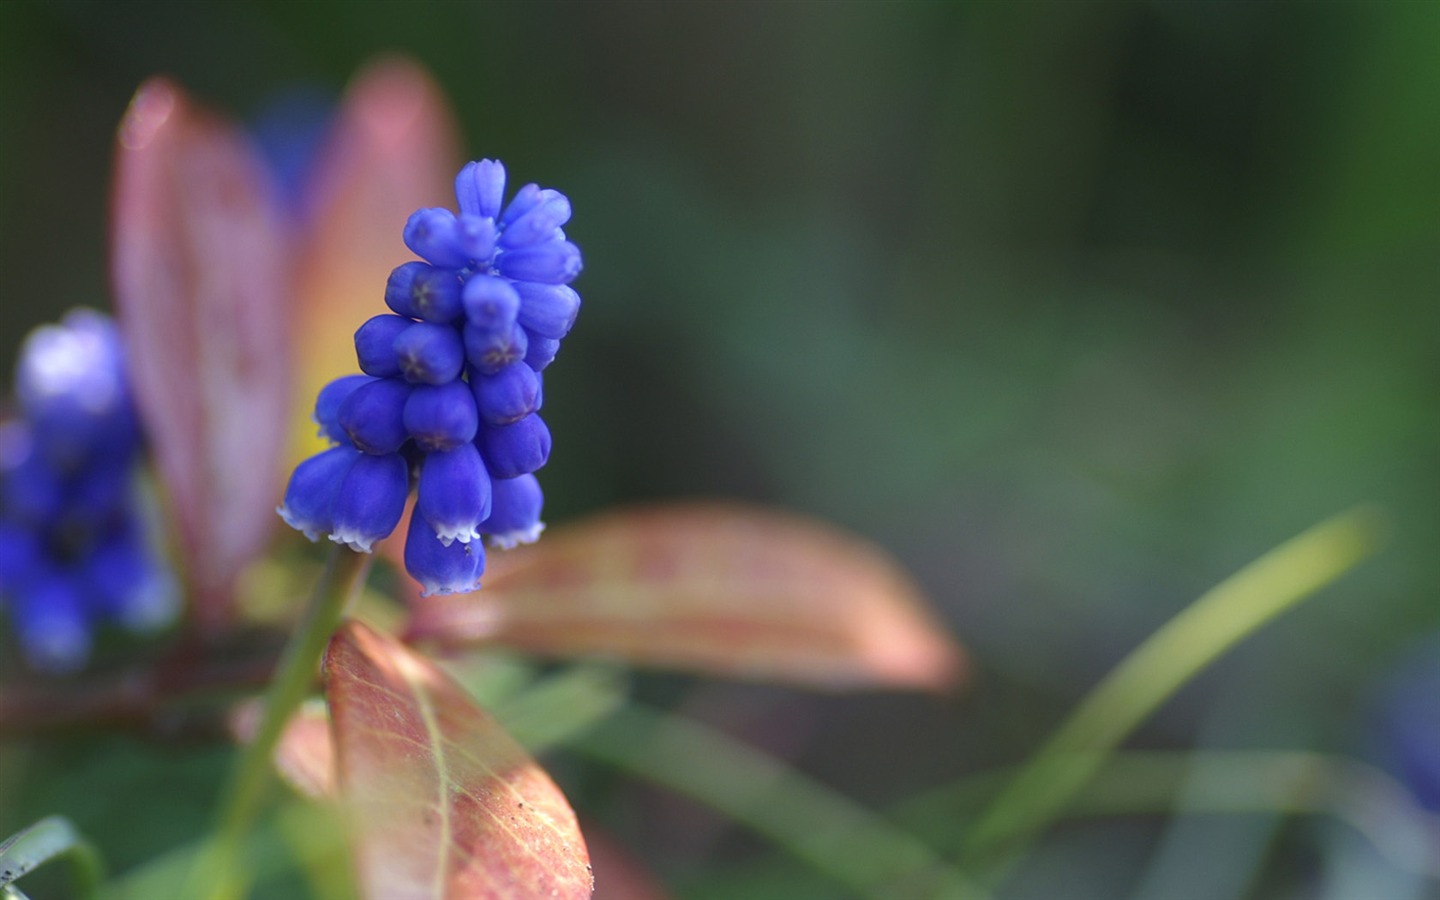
(305, 755)
(721, 589)
(200, 277)
(392, 150)
(442, 803)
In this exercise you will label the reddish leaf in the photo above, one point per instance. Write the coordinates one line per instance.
(200, 277)
(443, 803)
(723, 589)
(392, 150)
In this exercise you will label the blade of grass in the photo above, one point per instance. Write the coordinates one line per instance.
(51, 838)
(1154, 671)
(839, 837)
(1234, 782)
(554, 709)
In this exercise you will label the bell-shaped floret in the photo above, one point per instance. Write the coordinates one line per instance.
(515, 505)
(539, 223)
(370, 501)
(540, 352)
(491, 304)
(435, 235)
(33, 491)
(96, 491)
(441, 568)
(327, 405)
(421, 291)
(373, 416)
(70, 380)
(527, 198)
(490, 351)
(314, 485)
(454, 493)
(480, 188)
(441, 416)
(507, 396)
(478, 237)
(429, 353)
(516, 449)
(50, 620)
(547, 310)
(127, 585)
(375, 345)
(400, 288)
(20, 552)
(551, 262)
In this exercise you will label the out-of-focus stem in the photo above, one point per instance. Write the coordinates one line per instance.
(219, 874)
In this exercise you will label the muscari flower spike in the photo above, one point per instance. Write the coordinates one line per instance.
(74, 548)
(448, 402)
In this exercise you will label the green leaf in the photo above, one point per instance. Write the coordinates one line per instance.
(48, 839)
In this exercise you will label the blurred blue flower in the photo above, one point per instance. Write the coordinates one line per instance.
(1409, 723)
(451, 389)
(74, 547)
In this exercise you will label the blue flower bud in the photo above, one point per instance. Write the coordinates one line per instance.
(99, 488)
(418, 290)
(33, 491)
(400, 288)
(491, 304)
(538, 224)
(440, 568)
(525, 199)
(477, 237)
(373, 416)
(429, 353)
(491, 351)
(370, 501)
(507, 396)
(71, 384)
(1407, 721)
(541, 352)
(375, 345)
(515, 505)
(454, 493)
(435, 234)
(20, 551)
(314, 485)
(480, 188)
(547, 310)
(553, 262)
(125, 584)
(327, 405)
(50, 619)
(516, 449)
(441, 417)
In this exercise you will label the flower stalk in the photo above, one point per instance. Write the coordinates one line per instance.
(220, 875)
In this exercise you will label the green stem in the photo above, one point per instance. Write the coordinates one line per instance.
(252, 776)
(1217, 621)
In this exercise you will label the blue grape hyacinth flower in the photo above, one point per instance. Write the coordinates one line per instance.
(449, 399)
(75, 549)
(1407, 723)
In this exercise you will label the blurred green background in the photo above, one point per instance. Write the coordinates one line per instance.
(1075, 307)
